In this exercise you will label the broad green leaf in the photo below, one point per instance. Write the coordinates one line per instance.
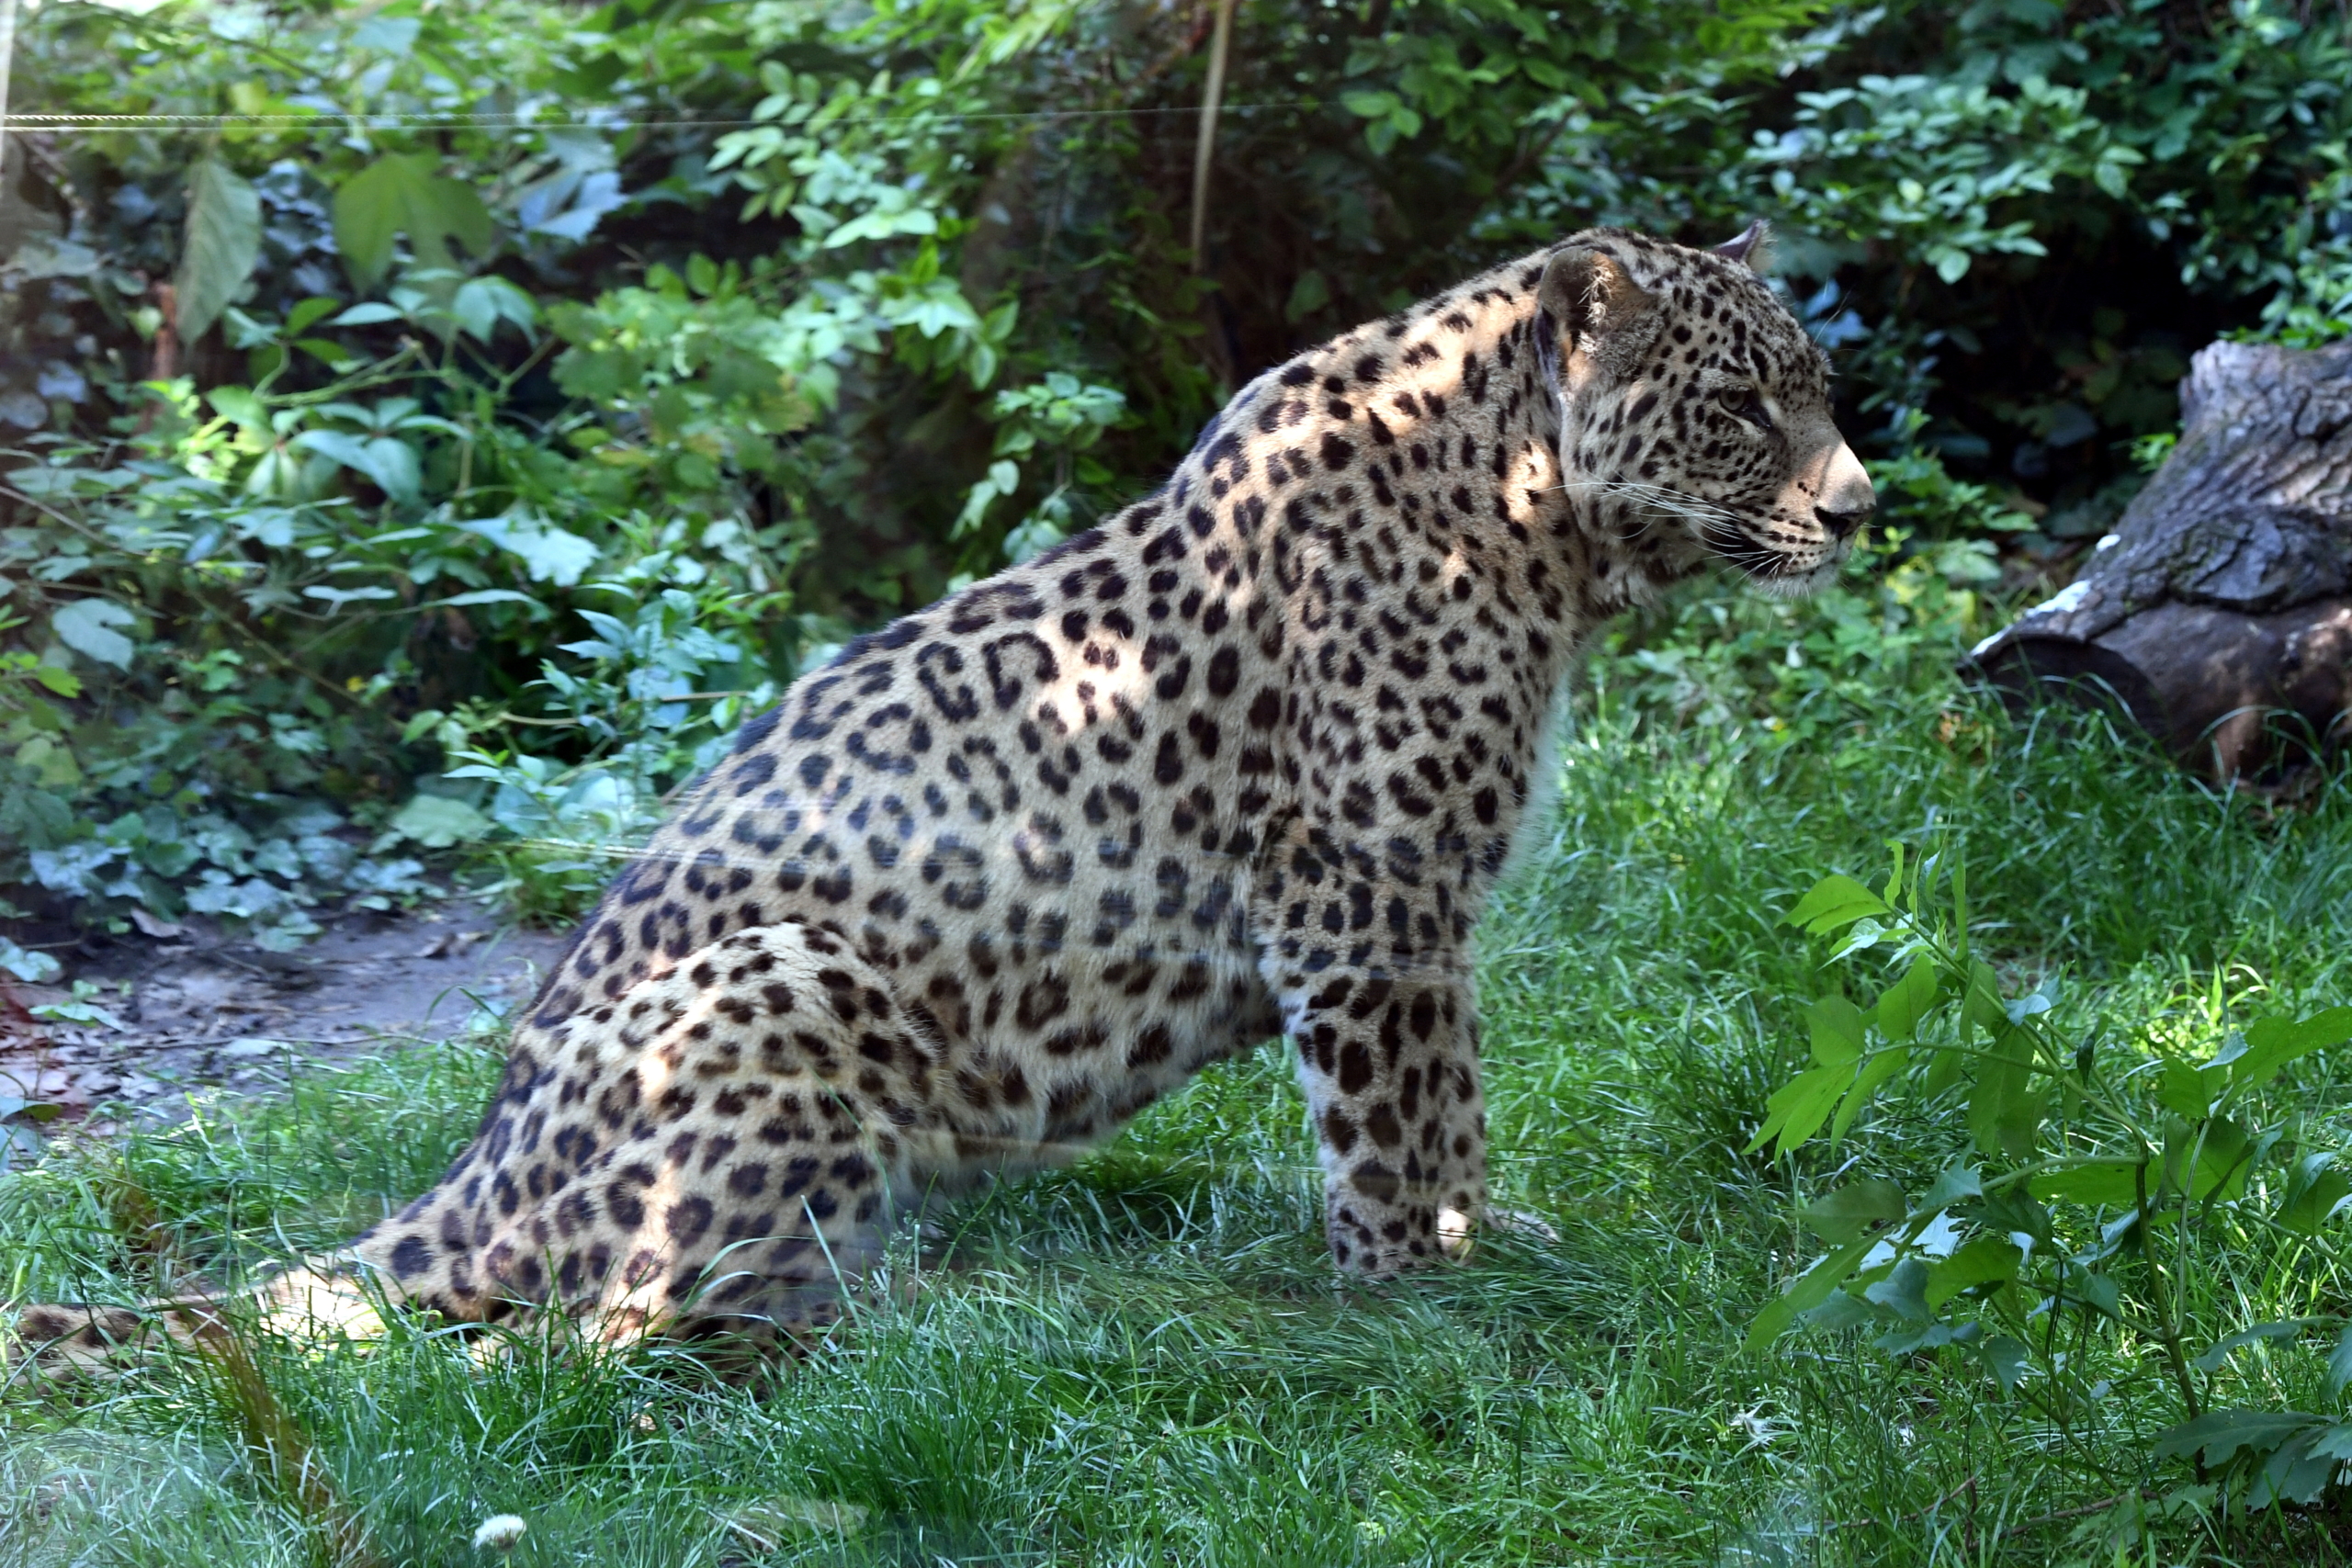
(2339, 1363)
(2189, 1091)
(399, 193)
(489, 596)
(2003, 1113)
(2296, 1474)
(1901, 1007)
(2223, 1155)
(1801, 1105)
(2005, 1359)
(390, 463)
(1902, 1291)
(2272, 1042)
(239, 405)
(1981, 1260)
(393, 465)
(1945, 1069)
(1982, 1004)
(326, 351)
(2315, 1190)
(299, 317)
(2213, 1359)
(374, 206)
(438, 822)
(1842, 1215)
(1837, 1026)
(367, 314)
(2096, 1290)
(1881, 1065)
(481, 303)
(2040, 999)
(2220, 1434)
(218, 246)
(1956, 1183)
(548, 553)
(1835, 902)
(1809, 1291)
(86, 625)
(463, 215)
(1863, 934)
(2112, 1183)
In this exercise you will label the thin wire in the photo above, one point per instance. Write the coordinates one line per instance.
(520, 121)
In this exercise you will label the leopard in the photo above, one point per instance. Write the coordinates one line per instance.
(1244, 761)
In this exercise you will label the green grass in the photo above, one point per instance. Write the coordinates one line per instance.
(1145, 1359)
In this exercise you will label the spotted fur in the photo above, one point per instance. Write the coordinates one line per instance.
(1245, 760)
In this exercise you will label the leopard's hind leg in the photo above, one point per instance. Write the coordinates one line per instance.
(716, 1151)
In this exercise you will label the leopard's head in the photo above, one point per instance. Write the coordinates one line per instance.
(1695, 410)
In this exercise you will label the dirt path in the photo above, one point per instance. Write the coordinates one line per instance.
(203, 1014)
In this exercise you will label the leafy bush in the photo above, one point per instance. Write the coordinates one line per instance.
(399, 343)
(2105, 1187)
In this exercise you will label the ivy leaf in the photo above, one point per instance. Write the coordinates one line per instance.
(438, 822)
(86, 625)
(217, 249)
(481, 303)
(397, 194)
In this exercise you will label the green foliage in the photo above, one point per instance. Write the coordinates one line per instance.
(2102, 1177)
(811, 316)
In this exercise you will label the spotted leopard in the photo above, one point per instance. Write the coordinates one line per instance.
(1244, 761)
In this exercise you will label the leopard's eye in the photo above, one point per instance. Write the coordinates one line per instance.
(1747, 404)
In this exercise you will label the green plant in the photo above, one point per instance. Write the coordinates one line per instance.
(2109, 1186)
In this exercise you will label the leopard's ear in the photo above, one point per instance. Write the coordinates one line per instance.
(1753, 246)
(1589, 292)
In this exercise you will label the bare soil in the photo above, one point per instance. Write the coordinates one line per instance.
(203, 1014)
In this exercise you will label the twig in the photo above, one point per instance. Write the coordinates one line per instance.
(2062, 1514)
(1220, 46)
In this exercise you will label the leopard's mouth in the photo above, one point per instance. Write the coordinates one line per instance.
(1780, 568)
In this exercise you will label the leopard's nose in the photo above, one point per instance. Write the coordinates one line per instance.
(1847, 499)
(1841, 524)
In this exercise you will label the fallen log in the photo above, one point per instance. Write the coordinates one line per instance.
(2218, 616)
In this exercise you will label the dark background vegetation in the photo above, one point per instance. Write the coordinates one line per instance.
(796, 314)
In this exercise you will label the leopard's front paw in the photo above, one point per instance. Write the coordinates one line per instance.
(1377, 1237)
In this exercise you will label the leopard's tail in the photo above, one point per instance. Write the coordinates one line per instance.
(323, 1301)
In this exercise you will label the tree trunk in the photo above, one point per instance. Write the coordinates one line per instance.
(2219, 612)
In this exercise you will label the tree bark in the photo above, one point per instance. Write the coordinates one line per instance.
(2219, 612)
